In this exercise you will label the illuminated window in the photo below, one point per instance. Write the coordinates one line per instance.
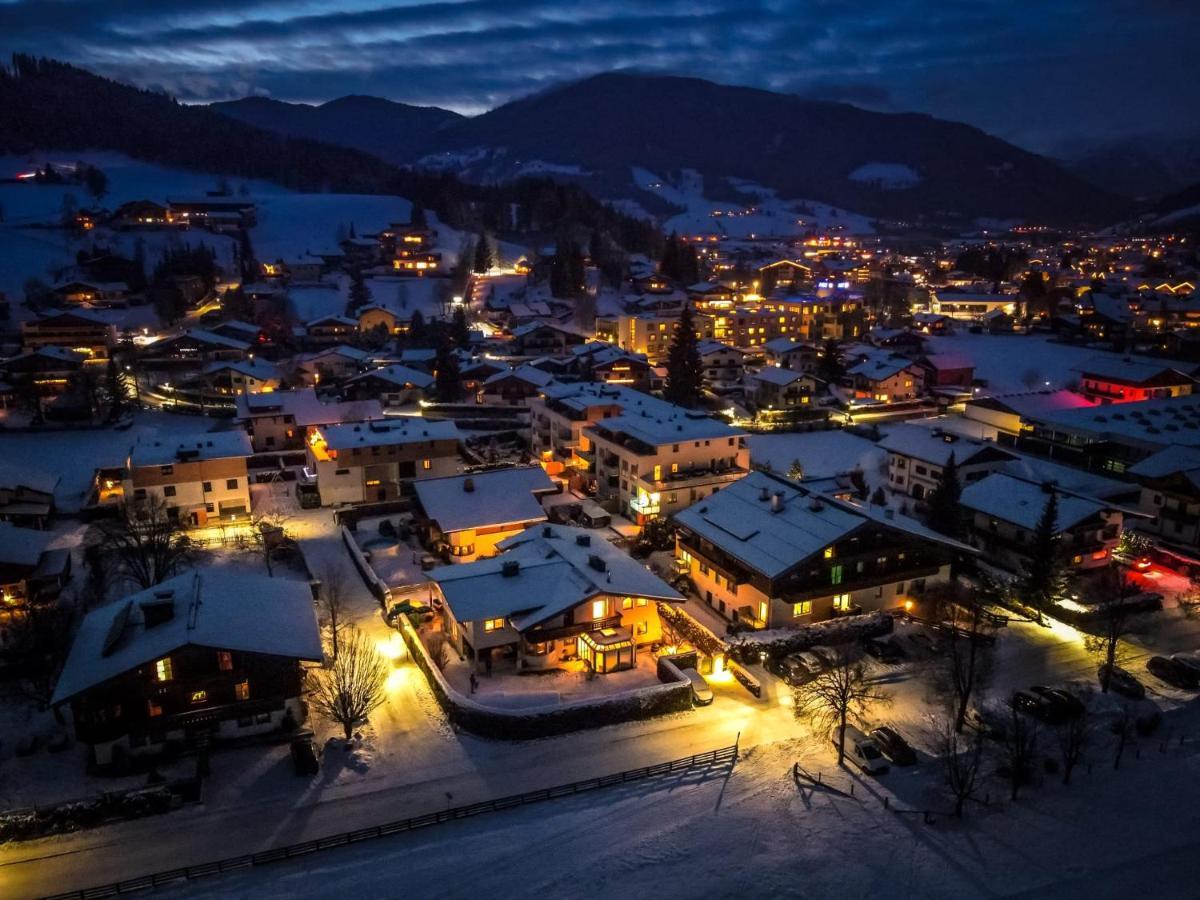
(224, 660)
(153, 709)
(841, 602)
(658, 473)
(641, 601)
(200, 696)
(241, 690)
(763, 609)
(162, 669)
(427, 464)
(835, 575)
(674, 468)
(627, 603)
(803, 608)
(599, 609)
(829, 553)
(493, 624)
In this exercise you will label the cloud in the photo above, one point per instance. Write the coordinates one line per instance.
(1031, 70)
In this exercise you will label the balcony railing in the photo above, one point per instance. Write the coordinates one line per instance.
(692, 477)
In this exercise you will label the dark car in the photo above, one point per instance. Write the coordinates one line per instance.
(894, 747)
(792, 669)
(305, 760)
(884, 650)
(1069, 705)
(924, 644)
(1121, 682)
(1038, 707)
(1172, 672)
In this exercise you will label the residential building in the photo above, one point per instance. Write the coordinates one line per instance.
(196, 346)
(772, 388)
(210, 654)
(364, 462)
(26, 495)
(968, 306)
(1169, 482)
(886, 378)
(541, 338)
(92, 293)
(791, 353)
(390, 386)
(917, 456)
(947, 370)
(79, 330)
(47, 371)
(329, 331)
(768, 553)
(723, 365)
(200, 481)
(235, 377)
(30, 572)
(280, 420)
(1108, 378)
(332, 364)
(516, 387)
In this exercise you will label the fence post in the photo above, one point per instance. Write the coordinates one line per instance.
(886, 801)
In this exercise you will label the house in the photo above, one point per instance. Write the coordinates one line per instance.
(783, 273)
(655, 458)
(196, 346)
(215, 213)
(516, 387)
(329, 331)
(236, 377)
(612, 365)
(887, 378)
(791, 353)
(466, 516)
(722, 364)
(1169, 482)
(543, 338)
(771, 388)
(29, 571)
(362, 462)
(768, 552)
(917, 455)
(47, 371)
(969, 306)
(375, 317)
(242, 331)
(899, 340)
(280, 420)
(1008, 413)
(200, 481)
(332, 364)
(947, 370)
(1004, 512)
(140, 214)
(210, 654)
(1107, 378)
(80, 330)
(26, 495)
(553, 594)
(394, 385)
(1103, 317)
(91, 293)
(933, 323)
(557, 417)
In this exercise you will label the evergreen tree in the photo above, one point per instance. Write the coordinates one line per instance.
(417, 218)
(460, 331)
(829, 366)
(484, 257)
(360, 294)
(1044, 577)
(685, 373)
(115, 387)
(448, 384)
(416, 329)
(246, 256)
(945, 512)
(567, 272)
(668, 265)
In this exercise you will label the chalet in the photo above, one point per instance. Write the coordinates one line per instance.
(241, 331)
(553, 594)
(367, 461)
(473, 372)
(230, 379)
(516, 387)
(332, 364)
(140, 214)
(723, 364)
(280, 420)
(778, 389)
(196, 346)
(541, 338)
(1169, 481)
(1108, 378)
(424, 359)
(791, 353)
(305, 269)
(375, 318)
(768, 553)
(210, 654)
(415, 250)
(898, 340)
(30, 572)
(47, 371)
(199, 482)
(783, 273)
(1103, 317)
(887, 378)
(215, 213)
(91, 293)
(616, 366)
(79, 330)
(394, 385)
(706, 294)
(26, 495)
(917, 455)
(329, 331)
(466, 516)
(947, 370)
(933, 323)
(1003, 514)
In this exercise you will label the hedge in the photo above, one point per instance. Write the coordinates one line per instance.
(749, 646)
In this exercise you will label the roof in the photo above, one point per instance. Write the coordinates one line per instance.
(401, 376)
(219, 608)
(13, 476)
(206, 337)
(739, 521)
(708, 345)
(528, 374)
(22, 546)
(1168, 461)
(777, 376)
(1126, 370)
(934, 446)
(499, 497)
(1033, 404)
(211, 445)
(877, 367)
(340, 350)
(306, 408)
(1022, 502)
(251, 368)
(948, 361)
(784, 344)
(1153, 423)
(387, 432)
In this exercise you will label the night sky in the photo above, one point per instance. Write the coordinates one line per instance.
(1039, 72)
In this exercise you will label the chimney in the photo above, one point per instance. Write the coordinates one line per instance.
(764, 494)
(547, 531)
(158, 610)
(583, 540)
(815, 503)
(469, 485)
(597, 563)
(776, 501)
(510, 568)
(889, 513)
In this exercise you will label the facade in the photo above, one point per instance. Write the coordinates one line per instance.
(723, 364)
(390, 386)
(886, 378)
(1170, 495)
(26, 495)
(1111, 379)
(332, 364)
(205, 655)
(947, 370)
(769, 553)
(917, 456)
(970, 306)
(280, 420)
(366, 462)
(329, 331)
(772, 388)
(29, 572)
(81, 331)
(200, 482)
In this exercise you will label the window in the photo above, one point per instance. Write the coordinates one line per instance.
(627, 603)
(427, 464)
(804, 608)
(200, 696)
(231, 484)
(153, 709)
(674, 468)
(162, 669)
(599, 609)
(841, 602)
(829, 552)
(241, 690)
(493, 624)
(835, 575)
(166, 470)
(209, 508)
(658, 473)
(641, 601)
(169, 490)
(206, 487)
(763, 609)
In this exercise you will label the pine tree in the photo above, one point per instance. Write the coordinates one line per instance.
(448, 384)
(829, 366)
(484, 257)
(115, 386)
(360, 294)
(1044, 576)
(945, 512)
(460, 331)
(685, 373)
(668, 265)
(796, 470)
(567, 274)
(246, 258)
(416, 329)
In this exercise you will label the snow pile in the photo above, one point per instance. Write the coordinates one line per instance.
(886, 176)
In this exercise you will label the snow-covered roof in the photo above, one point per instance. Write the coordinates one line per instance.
(739, 521)
(708, 346)
(878, 367)
(210, 445)
(777, 376)
(1068, 478)
(934, 446)
(527, 373)
(1161, 423)
(205, 337)
(783, 345)
(1021, 502)
(260, 369)
(1125, 370)
(24, 476)
(306, 408)
(343, 350)
(218, 608)
(948, 361)
(401, 376)
(21, 546)
(499, 497)
(388, 432)
(1167, 461)
(331, 320)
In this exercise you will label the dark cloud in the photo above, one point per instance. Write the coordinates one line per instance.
(1035, 71)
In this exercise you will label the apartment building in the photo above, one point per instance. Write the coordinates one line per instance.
(80, 330)
(200, 481)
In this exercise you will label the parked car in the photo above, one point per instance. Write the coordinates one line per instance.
(1121, 682)
(894, 747)
(702, 694)
(863, 751)
(1070, 705)
(1190, 660)
(1176, 674)
(924, 644)
(305, 759)
(1039, 707)
(792, 669)
(884, 649)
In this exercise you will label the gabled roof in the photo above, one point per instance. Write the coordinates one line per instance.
(386, 432)
(1022, 502)
(482, 499)
(13, 475)
(708, 345)
(878, 367)
(1126, 370)
(778, 376)
(218, 608)
(211, 445)
(22, 546)
(934, 446)
(398, 375)
(306, 408)
(529, 374)
(1168, 461)
(344, 350)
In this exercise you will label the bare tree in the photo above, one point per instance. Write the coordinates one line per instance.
(353, 687)
(835, 694)
(1020, 747)
(1112, 622)
(332, 602)
(148, 544)
(962, 759)
(966, 664)
(1073, 736)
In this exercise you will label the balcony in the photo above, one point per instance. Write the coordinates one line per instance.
(685, 478)
(569, 631)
